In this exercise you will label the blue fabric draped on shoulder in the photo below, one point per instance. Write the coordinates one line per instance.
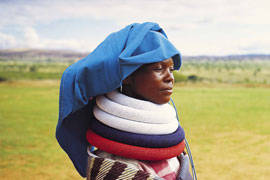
(102, 71)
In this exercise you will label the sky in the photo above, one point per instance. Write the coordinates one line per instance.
(195, 27)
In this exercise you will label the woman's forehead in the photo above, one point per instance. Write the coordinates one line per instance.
(166, 61)
(147, 67)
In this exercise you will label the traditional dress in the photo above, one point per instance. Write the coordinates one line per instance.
(136, 139)
(103, 71)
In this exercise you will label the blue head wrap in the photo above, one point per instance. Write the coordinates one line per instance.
(102, 71)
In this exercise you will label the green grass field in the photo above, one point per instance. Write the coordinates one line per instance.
(207, 71)
(227, 128)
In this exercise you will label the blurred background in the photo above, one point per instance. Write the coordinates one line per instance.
(222, 90)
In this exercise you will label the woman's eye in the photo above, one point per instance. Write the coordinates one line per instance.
(158, 69)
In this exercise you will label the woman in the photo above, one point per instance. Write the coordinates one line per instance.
(135, 130)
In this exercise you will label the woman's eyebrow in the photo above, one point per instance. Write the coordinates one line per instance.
(165, 63)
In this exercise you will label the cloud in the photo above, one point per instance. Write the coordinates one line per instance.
(196, 27)
(31, 36)
(7, 41)
(182, 12)
(32, 40)
(30, 12)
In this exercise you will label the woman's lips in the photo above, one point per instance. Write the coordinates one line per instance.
(167, 91)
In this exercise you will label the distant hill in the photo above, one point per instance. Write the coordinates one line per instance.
(231, 57)
(38, 55)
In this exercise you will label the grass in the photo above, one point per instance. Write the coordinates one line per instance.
(28, 116)
(13, 70)
(225, 71)
(227, 128)
(219, 71)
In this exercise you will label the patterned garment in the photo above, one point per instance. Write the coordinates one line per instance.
(108, 166)
(166, 169)
(107, 169)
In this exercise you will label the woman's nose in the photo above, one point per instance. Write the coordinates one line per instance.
(169, 76)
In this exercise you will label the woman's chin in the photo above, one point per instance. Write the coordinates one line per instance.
(163, 100)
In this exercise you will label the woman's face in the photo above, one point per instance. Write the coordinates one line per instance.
(152, 82)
